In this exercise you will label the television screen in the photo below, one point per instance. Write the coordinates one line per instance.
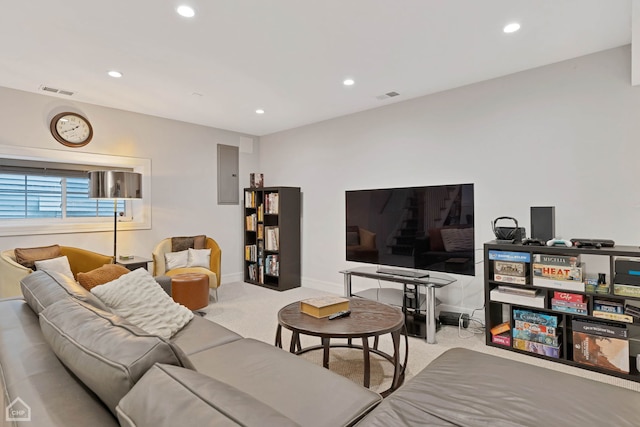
(423, 228)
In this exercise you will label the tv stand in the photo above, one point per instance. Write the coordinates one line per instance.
(403, 273)
(430, 282)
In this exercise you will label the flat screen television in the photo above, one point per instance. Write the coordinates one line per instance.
(427, 228)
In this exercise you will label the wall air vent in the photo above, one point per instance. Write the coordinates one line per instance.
(387, 95)
(54, 90)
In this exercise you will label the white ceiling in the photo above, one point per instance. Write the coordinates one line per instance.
(288, 57)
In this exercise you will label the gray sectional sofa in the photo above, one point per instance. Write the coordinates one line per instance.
(71, 362)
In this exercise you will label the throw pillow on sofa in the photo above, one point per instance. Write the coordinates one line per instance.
(107, 353)
(59, 264)
(183, 243)
(137, 297)
(199, 258)
(176, 259)
(101, 275)
(28, 256)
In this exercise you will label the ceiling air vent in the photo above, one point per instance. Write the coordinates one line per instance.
(54, 90)
(387, 95)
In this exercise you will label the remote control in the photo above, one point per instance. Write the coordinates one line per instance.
(339, 314)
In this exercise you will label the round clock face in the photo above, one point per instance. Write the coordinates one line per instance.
(71, 129)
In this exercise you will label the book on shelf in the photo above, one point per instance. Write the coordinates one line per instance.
(558, 260)
(509, 256)
(567, 285)
(272, 265)
(536, 347)
(260, 212)
(256, 180)
(271, 203)
(249, 199)
(250, 252)
(260, 233)
(511, 298)
(251, 222)
(600, 327)
(612, 316)
(519, 291)
(557, 272)
(272, 237)
(603, 352)
(535, 317)
(323, 306)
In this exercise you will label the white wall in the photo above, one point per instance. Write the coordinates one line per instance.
(565, 135)
(184, 173)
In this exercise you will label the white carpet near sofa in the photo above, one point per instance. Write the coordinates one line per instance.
(252, 311)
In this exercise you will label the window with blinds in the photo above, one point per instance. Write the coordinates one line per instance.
(35, 190)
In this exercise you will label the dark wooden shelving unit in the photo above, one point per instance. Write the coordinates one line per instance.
(265, 209)
(498, 312)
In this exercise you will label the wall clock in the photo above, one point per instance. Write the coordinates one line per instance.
(71, 129)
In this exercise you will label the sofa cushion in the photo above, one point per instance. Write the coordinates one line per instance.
(101, 275)
(137, 297)
(28, 256)
(59, 264)
(154, 399)
(43, 288)
(303, 392)
(184, 243)
(107, 353)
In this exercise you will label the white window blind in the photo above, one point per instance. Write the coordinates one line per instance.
(33, 190)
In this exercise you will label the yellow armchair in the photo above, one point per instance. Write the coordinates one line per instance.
(80, 261)
(160, 269)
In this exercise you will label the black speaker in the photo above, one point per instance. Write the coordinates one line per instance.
(543, 222)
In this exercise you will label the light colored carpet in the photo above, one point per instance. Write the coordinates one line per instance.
(252, 311)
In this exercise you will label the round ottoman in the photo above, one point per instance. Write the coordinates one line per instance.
(190, 290)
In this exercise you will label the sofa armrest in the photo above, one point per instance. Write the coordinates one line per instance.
(10, 274)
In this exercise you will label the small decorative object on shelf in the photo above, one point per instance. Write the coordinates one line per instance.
(569, 308)
(256, 180)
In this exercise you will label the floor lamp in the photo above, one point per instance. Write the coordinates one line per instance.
(116, 185)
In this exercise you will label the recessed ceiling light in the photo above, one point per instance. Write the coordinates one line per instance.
(116, 74)
(259, 111)
(186, 11)
(511, 28)
(348, 82)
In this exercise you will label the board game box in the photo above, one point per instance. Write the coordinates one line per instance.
(538, 348)
(603, 352)
(535, 317)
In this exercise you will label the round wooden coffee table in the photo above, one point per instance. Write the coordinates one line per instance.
(368, 319)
